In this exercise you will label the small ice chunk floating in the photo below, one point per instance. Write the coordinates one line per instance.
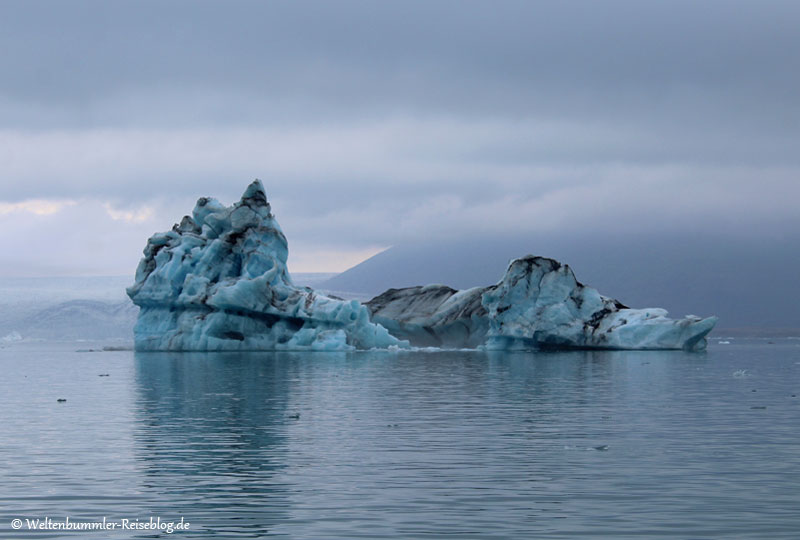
(218, 281)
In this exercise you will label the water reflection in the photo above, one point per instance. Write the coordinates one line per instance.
(407, 445)
(465, 444)
(211, 434)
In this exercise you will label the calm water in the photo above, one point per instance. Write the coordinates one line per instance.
(413, 445)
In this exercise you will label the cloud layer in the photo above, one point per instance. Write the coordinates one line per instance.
(374, 124)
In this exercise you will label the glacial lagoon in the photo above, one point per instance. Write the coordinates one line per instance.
(446, 444)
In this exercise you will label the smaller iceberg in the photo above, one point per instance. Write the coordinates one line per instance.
(537, 304)
(218, 281)
(11, 337)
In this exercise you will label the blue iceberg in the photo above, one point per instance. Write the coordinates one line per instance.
(218, 281)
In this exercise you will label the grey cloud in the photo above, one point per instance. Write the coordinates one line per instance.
(434, 155)
(375, 123)
(508, 58)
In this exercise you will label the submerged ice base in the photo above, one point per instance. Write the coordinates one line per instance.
(537, 304)
(218, 281)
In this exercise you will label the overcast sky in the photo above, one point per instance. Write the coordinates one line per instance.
(380, 123)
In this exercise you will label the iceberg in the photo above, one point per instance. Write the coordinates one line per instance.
(11, 337)
(537, 304)
(218, 281)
